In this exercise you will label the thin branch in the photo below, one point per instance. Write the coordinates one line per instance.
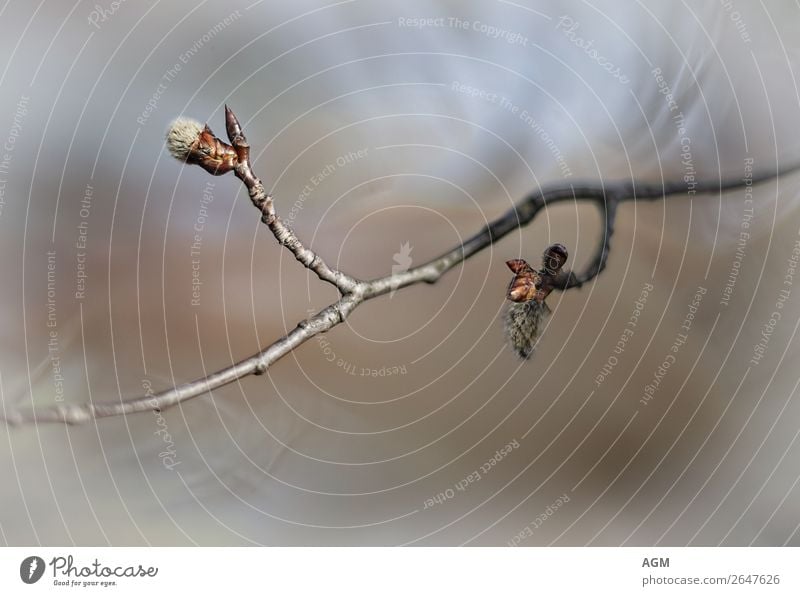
(197, 145)
(263, 202)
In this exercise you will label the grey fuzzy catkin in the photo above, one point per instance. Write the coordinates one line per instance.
(524, 323)
(182, 134)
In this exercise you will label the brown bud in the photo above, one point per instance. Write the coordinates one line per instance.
(528, 289)
(554, 258)
(189, 142)
(526, 281)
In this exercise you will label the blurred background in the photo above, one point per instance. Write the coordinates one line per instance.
(660, 407)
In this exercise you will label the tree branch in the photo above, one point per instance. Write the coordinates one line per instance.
(193, 144)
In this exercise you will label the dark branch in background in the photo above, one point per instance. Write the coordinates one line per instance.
(192, 143)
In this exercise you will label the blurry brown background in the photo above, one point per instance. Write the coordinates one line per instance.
(320, 451)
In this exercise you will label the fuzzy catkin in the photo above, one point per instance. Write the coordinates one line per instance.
(182, 134)
(524, 323)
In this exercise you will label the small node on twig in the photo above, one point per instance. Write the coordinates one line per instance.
(527, 291)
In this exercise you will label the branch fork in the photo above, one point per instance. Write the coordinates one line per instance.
(195, 144)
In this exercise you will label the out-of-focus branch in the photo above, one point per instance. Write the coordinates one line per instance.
(194, 144)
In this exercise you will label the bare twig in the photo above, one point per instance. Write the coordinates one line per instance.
(199, 146)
